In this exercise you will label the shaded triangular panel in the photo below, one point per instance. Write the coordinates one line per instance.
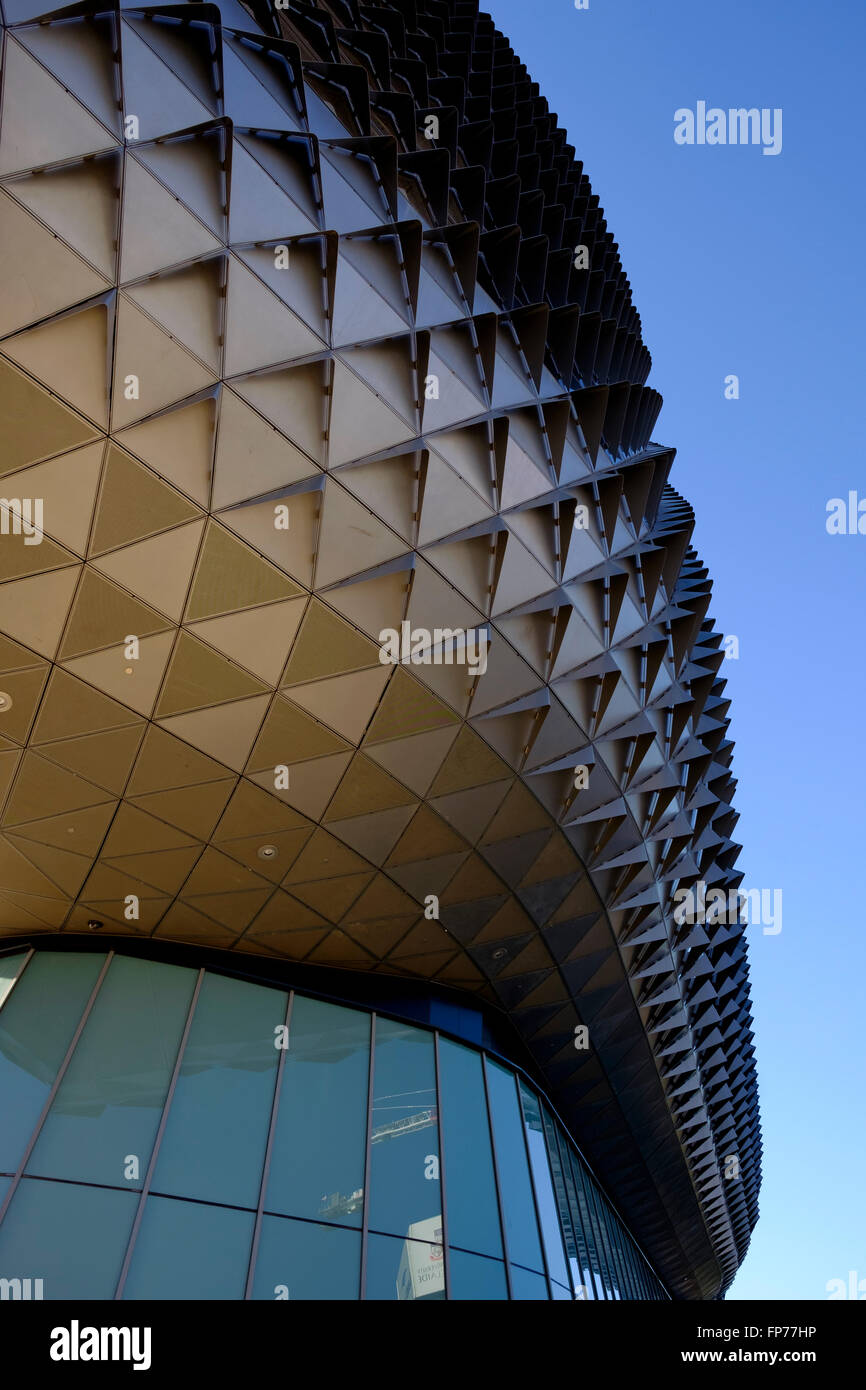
(261, 330)
(151, 370)
(179, 444)
(252, 457)
(199, 677)
(258, 638)
(260, 209)
(67, 486)
(294, 399)
(230, 576)
(187, 303)
(104, 615)
(135, 682)
(134, 503)
(194, 170)
(82, 59)
(33, 611)
(79, 202)
(48, 276)
(343, 518)
(360, 421)
(153, 93)
(159, 569)
(69, 355)
(42, 123)
(225, 732)
(158, 231)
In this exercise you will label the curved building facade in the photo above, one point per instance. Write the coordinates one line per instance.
(353, 651)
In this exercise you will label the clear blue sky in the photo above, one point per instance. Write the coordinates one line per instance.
(751, 264)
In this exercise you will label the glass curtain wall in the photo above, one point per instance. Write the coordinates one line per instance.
(170, 1133)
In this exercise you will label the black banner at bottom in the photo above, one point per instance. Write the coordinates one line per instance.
(221, 1339)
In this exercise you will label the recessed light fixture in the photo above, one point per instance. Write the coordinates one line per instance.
(500, 954)
(95, 925)
(267, 851)
(5, 701)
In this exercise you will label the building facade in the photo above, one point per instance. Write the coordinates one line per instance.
(361, 714)
(211, 1137)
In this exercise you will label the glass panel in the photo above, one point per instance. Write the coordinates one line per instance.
(528, 1286)
(317, 1160)
(594, 1254)
(475, 1278)
(405, 1192)
(36, 1028)
(470, 1187)
(643, 1278)
(561, 1293)
(628, 1262)
(613, 1247)
(306, 1260)
(72, 1238)
(215, 1137)
(518, 1207)
(104, 1118)
(601, 1235)
(10, 967)
(544, 1194)
(404, 1269)
(557, 1144)
(189, 1250)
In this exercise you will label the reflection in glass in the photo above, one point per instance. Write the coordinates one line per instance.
(434, 1101)
(405, 1192)
(306, 1260)
(189, 1250)
(9, 968)
(472, 1277)
(72, 1238)
(106, 1112)
(406, 1269)
(581, 1181)
(214, 1142)
(566, 1199)
(595, 1198)
(36, 1027)
(317, 1161)
(526, 1286)
(473, 1213)
(518, 1207)
(544, 1194)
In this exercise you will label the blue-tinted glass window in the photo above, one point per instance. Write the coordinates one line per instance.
(104, 1118)
(566, 1198)
(190, 1250)
(36, 1027)
(406, 1270)
(306, 1260)
(475, 1278)
(626, 1260)
(470, 1185)
(72, 1238)
(214, 1143)
(518, 1207)
(528, 1286)
(596, 1199)
(544, 1193)
(317, 1160)
(405, 1191)
(594, 1254)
